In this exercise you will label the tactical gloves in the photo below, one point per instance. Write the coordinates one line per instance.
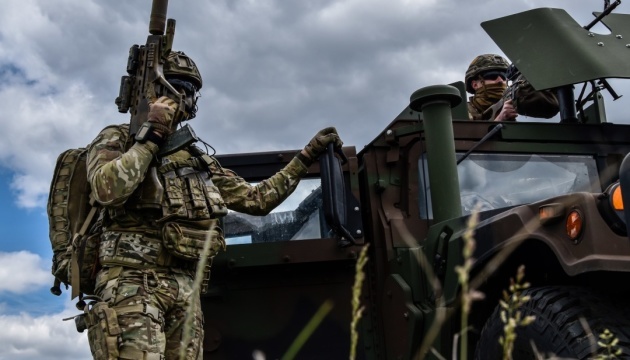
(161, 115)
(318, 145)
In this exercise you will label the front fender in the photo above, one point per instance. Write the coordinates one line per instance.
(598, 248)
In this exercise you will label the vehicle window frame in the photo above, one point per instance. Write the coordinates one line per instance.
(255, 167)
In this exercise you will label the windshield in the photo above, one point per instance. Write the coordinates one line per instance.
(297, 218)
(495, 181)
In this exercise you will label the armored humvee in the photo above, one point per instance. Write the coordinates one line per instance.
(547, 194)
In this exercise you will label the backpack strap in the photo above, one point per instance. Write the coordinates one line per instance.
(76, 274)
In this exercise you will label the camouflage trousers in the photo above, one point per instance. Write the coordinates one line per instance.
(142, 315)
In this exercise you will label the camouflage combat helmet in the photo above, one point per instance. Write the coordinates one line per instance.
(483, 63)
(180, 66)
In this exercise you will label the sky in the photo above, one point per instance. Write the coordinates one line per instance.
(275, 72)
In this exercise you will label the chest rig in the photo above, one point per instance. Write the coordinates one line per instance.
(168, 218)
(177, 188)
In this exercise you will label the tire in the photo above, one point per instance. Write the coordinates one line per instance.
(558, 329)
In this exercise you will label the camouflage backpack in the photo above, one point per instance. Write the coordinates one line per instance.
(74, 229)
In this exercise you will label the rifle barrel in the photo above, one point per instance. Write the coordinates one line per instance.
(157, 22)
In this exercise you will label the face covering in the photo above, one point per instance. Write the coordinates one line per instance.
(487, 95)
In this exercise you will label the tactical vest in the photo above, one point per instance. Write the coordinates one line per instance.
(167, 219)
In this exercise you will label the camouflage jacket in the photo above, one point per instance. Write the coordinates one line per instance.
(526, 100)
(119, 178)
(474, 114)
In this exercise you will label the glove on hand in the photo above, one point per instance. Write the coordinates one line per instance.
(161, 114)
(318, 145)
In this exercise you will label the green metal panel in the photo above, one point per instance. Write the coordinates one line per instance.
(436, 102)
(460, 111)
(551, 49)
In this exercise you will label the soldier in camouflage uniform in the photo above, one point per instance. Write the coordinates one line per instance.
(157, 214)
(486, 80)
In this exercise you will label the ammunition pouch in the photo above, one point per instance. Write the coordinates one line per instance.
(182, 190)
(104, 334)
(178, 246)
(135, 249)
(189, 193)
(187, 243)
(104, 331)
(167, 220)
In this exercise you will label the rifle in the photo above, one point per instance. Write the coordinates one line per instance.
(527, 101)
(145, 72)
(511, 74)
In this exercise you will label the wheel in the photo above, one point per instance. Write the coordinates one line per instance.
(559, 329)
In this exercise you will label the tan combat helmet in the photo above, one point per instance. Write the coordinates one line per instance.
(180, 66)
(481, 64)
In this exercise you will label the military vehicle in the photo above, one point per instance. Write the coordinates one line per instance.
(548, 196)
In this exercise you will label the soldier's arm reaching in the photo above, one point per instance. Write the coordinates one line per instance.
(263, 197)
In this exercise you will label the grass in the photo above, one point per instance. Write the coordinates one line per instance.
(357, 309)
(468, 294)
(308, 330)
(513, 299)
(511, 315)
(199, 277)
(608, 345)
(325, 308)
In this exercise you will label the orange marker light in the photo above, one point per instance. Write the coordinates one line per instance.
(617, 200)
(546, 212)
(549, 213)
(574, 224)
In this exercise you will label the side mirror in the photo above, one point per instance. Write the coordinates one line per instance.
(336, 201)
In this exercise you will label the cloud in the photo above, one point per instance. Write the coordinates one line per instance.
(21, 272)
(23, 285)
(55, 120)
(275, 72)
(27, 336)
(47, 337)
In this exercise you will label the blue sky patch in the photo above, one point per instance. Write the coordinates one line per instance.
(21, 229)
(10, 74)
